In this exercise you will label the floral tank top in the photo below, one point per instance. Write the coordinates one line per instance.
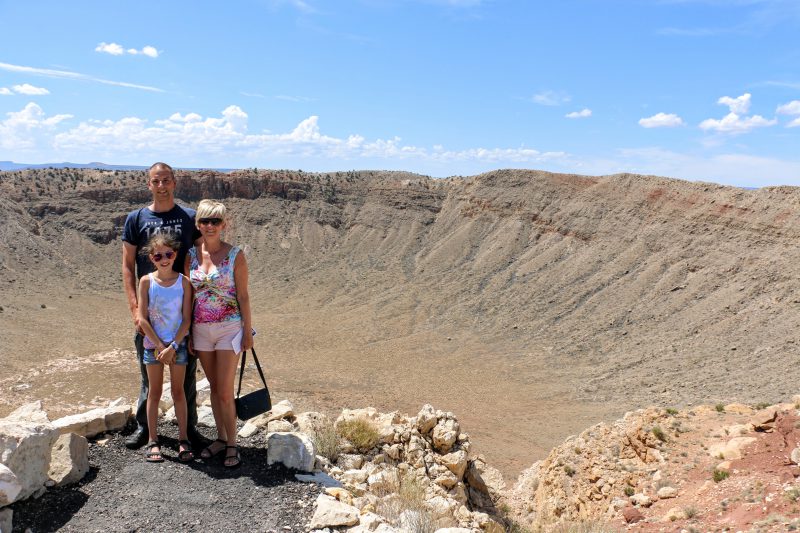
(215, 292)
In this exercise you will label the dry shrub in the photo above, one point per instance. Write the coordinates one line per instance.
(407, 500)
(326, 441)
(360, 432)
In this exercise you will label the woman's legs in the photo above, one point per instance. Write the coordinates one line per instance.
(155, 374)
(226, 362)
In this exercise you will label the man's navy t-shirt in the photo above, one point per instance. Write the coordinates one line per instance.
(143, 223)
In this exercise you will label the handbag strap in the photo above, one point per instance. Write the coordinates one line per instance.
(258, 367)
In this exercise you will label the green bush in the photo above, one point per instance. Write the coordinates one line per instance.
(719, 475)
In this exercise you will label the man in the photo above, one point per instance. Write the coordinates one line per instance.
(163, 215)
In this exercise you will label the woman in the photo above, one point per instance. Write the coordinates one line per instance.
(218, 273)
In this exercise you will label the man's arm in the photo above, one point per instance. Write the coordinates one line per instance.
(129, 280)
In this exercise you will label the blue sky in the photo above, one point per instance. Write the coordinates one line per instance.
(693, 89)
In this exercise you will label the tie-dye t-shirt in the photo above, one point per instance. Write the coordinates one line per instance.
(164, 309)
(215, 292)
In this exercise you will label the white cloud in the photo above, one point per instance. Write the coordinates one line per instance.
(117, 50)
(734, 122)
(148, 51)
(583, 113)
(50, 73)
(791, 108)
(661, 120)
(551, 98)
(109, 48)
(30, 90)
(5, 91)
(226, 141)
(739, 105)
(22, 129)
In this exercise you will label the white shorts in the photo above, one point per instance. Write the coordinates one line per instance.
(211, 336)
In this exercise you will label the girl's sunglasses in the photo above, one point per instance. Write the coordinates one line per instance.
(212, 221)
(160, 256)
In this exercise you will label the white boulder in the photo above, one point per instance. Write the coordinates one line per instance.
(279, 411)
(25, 450)
(332, 513)
(10, 486)
(456, 462)
(279, 426)
(426, 419)
(445, 434)
(293, 450)
(248, 430)
(69, 461)
(203, 389)
(311, 422)
(30, 412)
(205, 417)
(94, 422)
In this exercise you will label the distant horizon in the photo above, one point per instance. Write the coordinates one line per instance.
(98, 165)
(698, 90)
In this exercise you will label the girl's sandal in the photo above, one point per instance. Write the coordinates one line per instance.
(187, 454)
(208, 453)
(232, 461)
(150, 456)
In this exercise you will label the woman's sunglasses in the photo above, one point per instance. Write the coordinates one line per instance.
(160, 256)
(212, 221)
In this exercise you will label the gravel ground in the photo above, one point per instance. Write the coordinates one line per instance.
(123, 493)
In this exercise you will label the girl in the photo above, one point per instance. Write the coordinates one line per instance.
(218, 273)
(165, 312)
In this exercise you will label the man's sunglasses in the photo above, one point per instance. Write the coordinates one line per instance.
(160, 256)
(212, 221)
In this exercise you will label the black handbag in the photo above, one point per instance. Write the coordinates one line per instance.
(256, 402)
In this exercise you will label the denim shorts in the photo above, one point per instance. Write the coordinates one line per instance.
(181, 356)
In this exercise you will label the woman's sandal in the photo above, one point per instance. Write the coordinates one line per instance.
(237, 458)
(187, 454)
(150, 456)
(208, 453)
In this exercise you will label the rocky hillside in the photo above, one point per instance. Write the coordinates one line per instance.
(517, 297)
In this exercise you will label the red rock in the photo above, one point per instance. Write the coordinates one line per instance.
(632, 515)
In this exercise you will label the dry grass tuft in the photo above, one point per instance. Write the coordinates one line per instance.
(360, 432)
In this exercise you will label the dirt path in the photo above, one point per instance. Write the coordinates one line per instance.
(124, 493)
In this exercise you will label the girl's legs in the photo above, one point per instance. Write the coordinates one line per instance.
(177, 373)
(208, 361)
(226, 363)
(155, 374)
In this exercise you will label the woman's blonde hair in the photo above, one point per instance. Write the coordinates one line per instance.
(210, 209)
